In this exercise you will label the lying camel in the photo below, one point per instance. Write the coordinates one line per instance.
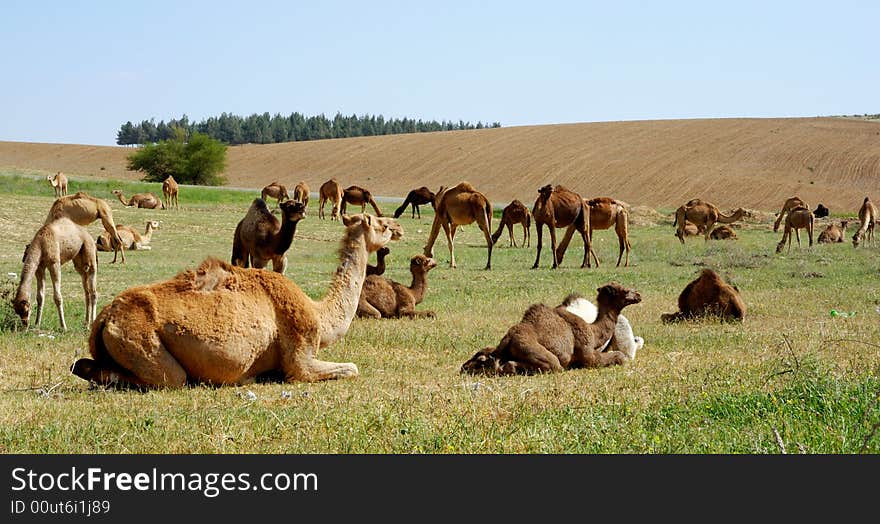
(131, 238)
(222, 324)
(554, 339)
(708, 295)
(379, 268)
(623, 339)
(415, 198)
(833, 233)
(723, 232)
(384, 298)
(798, 218)
(514, 213)
(260, 237)
(867, 221)
(140, 200)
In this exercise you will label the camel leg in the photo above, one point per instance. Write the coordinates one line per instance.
(540, 229)
(510, 235)
(55, 273)
(483, 224)
(279, 264)
(525, 242)
(89, 275)
(622, 230)
(138, 358)
(553, 245)
(321, 202)
(309, 369)
(450, 240)
(418, 211)
(797, 235)
(588, 249)
(41, 295)
(367, 310)
(412, 313)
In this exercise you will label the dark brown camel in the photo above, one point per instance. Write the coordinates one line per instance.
(415, 198)
(358, 196)
(260, 237)
(560, 207)
(515, 213)
(379, 268)
(384, 298)
(708, 295)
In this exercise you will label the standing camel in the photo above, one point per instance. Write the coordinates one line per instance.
(55, 244)
(560, 207)
(260, 237)
(58, 181)
(515, 213)
(83, 209)
(276, 191)
(798, 218)
(221, 324)
(867, 220)
(460, 205)
(704, 215)
(330, 191)
(140, 200)
(788, 205)
(358, 196)
(301, 194)
(606, 212)
(169, 192)
(415, 198)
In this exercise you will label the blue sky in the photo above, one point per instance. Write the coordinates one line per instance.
(73, 72)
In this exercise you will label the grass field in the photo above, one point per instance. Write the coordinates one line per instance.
(790, 376)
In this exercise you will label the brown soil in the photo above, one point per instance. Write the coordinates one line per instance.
(750, 163)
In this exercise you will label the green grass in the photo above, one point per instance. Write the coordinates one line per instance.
(704, 387)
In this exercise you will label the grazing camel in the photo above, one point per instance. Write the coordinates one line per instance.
(821, 211)
(460, 205)
(384, 298)
(833, 233)
(58, 181)
(561, 207)
(276, 191)
(515, 213)
(704, 215)
(607, 212)
(787, 206)
(797, 218)
(708, 295)
(358, 196)
(260, 237)
(84, 209)
(55, 244)
(867, 221)
(415, 198)
(301, 194)
(330, 191)
(140, 200)
(222, 324)
(723, 232)
(169, 192)
(554, 339)
(131, 238)
(379, 268)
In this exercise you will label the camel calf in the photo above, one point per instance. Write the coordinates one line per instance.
(708, 295)
(833, 233)
(384, 298)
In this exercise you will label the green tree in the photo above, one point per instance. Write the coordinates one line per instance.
(199, 160)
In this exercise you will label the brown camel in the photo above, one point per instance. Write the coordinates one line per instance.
(84, 209)
(561, 207)
(723, 232)
(708, 295)
(131, 238)
(798, 218)
(867, 220)
(691, 230)
(554, 339)
(260, 237)
(606, 212)
(170, 190)
(460, 205)
(379, 268)
(515, 213)
(140, 200)
(222, 324)
(415, 198)
(58, 181)
(787, 206)
(384, 298)
(704, 215)
(301, 194)
(276, 191)
(358, 196)
(54, 245)
(833, 233)
(330, 191)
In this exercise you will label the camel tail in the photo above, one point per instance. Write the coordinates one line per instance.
(488, 215)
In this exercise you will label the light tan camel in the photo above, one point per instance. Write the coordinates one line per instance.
(131, 238)
(260, 237)
(84, 209)
(708, 295)
(560, 207)
(515, 213)
(798, 218)
(554, 339)
(867, 220)
(385, 298)
(379, 268)
(170, 190)
(140, 200)
(358, 196)
(460, 205)
(415, 198)
(301, 194)
(833, 233)
(606, 212)
(787, 206)
(222, 324)
(276, 191)
(330, 191)
(58, 181)
(723, 232)
(54, 245)
(704, 215)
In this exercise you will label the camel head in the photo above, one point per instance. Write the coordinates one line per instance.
(616, 296)
(844, 224)
(421, 263)
(22, 307)
(293, 210)
(545, 191)
(483, 362)
(377, 231)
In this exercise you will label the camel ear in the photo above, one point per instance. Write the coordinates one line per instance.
(348, 219)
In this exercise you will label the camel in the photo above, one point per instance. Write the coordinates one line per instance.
(58, 181)
(708, 295)
(276, 191)
(415, 198)
(379, 268)
(515, 213)
(384, 298)
(787, 206)
(704, 215)
(607, 212)
(301, 194)
(691, 230)
(561, 207)
(797, 218)
(723, 232)
(330, 191)
(222, 324)
(555, 339)
(821, 211)
(622, 340)
(867, 221)
(358, 196)
(55, 244)
(84, 209)
(460, 205)
(169, 192)
(833, 233)
(140, 200)
(131, 238)
(260, 237)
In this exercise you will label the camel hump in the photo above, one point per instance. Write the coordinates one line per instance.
(212, 274)
(260, 205)
(466, 186)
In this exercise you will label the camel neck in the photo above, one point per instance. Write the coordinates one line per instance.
(285, 236)
(29, 267)
(606, 320)
(419, 286)
(338, 308)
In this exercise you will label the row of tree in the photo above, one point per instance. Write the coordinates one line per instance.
(265, 129)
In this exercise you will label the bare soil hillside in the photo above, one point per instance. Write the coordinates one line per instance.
(753, 163)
